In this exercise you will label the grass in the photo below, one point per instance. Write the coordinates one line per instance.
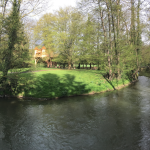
(38, 68)
(60, 83)
(29, 69)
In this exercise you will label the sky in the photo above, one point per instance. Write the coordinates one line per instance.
(56, 4)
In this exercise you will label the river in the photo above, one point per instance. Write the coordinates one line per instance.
(117, 120)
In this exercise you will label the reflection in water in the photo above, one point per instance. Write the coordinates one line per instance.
(118, 120)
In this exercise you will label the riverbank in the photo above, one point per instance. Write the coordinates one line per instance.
(113, 120)
(54, 84)
(145, 73)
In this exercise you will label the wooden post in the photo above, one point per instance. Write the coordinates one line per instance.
(79, 66)
(90, 65)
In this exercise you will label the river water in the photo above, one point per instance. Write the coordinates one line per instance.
(118, 120)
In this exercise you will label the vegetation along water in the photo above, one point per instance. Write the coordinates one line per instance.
(111, 36)
(97, 46)
(112, 120)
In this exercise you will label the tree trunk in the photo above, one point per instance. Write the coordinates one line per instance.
(132, 30)
(69, 65)
(63, 65)
(110, 43)
(98, 66)
(138, 34)
(118, 36)
(103, 27)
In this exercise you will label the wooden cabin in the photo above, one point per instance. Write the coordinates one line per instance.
(40, 53)
(45, 55)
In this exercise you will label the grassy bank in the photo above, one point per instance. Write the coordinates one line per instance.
(60, 83)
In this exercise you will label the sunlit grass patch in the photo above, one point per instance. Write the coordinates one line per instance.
(60, 83)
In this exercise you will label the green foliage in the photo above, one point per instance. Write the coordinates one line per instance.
(145, 53)
(14, 45)
(88, 45)
(100, 37)
(60, 33)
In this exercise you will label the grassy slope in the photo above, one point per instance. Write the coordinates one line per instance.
(59, 83)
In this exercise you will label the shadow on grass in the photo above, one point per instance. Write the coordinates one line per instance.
(50, 86)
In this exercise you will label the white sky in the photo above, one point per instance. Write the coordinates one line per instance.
(56, 4)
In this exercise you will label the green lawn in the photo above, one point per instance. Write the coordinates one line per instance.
(29, 69)
(59, 83)
(38, 68)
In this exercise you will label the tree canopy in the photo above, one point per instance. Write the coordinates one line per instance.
(106, 33)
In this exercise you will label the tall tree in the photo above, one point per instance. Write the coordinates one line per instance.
(69, 33)
(88, 42)
(60, 33)
(14, 44)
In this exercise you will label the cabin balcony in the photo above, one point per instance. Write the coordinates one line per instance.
(40, 55)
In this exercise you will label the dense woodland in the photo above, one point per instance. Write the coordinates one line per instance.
(112, 34)
(107, 33)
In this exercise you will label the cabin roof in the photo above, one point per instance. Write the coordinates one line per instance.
(43, 47)
(36, 48)
(51, 53)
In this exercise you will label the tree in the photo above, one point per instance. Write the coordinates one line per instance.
(105, 32)
(60, 33)
(14, 47)
(69, 33)
(88, 42)
(45, 30)
(119, 37)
